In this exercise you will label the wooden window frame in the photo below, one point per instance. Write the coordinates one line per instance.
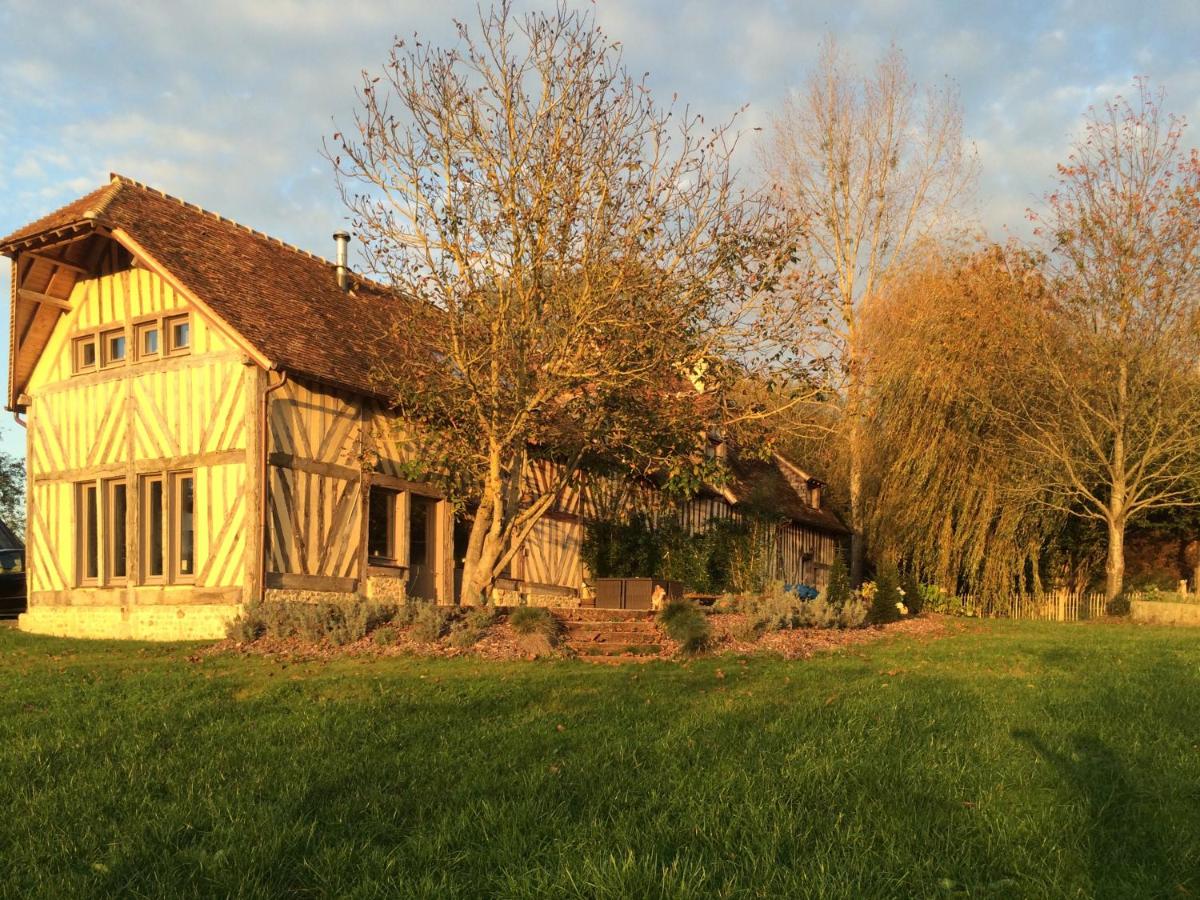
(103, 338)
(145, 513)
(84, 535)
(172, 527)
(109, 487)
(133, 332)
(175, 520)
(140, 329)
(78, 367)
(398, 508)
(167, 335)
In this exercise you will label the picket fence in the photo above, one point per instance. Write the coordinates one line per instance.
(1052, 606)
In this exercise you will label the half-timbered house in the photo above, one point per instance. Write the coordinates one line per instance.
(203, 430)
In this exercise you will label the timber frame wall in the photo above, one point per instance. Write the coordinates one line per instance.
(191, 413)
(326, 448)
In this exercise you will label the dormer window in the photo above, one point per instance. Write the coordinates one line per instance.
(814, 494)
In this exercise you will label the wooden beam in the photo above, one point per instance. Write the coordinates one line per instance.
(293, 582)
(25, 294)
(62, 263)
(300, 464)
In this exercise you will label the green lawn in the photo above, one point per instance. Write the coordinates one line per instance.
(1016, 760)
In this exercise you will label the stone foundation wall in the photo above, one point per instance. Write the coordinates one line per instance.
(194, 622)
(288, 595)
(534, 597)
(386, 589)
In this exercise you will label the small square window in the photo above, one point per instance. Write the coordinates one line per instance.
(179, 334)
(113, 346)
(85, 353)
(147, 340)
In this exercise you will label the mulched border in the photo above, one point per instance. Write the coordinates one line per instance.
(501, 643)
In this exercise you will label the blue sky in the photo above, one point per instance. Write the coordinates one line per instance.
(225, 102)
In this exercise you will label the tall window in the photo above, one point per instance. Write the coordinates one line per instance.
(382, 545)
(88, 532)
(168, 527)
(183, 524)
(153, 497)
(418, 529)
(116, 517)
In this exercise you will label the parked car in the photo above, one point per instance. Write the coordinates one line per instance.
(12, 582)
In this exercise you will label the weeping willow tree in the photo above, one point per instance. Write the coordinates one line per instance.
(951, 492)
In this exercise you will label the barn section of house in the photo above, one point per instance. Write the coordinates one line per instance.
(203, 430)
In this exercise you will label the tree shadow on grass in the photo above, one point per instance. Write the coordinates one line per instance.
(1124, 846)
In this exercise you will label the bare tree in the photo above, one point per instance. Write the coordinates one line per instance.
(1112, 418)
(868, 167)
(598, 277)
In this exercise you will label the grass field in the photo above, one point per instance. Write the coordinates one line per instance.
(1013, 760)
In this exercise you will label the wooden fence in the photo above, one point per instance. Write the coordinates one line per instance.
(1053, 606)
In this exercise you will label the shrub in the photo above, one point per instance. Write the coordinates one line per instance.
(910, 587)
(338, 623)
(247, 627)
(535, 620)
(934, 599)
(686, 624)
(469, 630)
(384, 637)
(886, 602)
(429, 622)
(838, 593)
(816, 613)
(728, 555)
(853, 614)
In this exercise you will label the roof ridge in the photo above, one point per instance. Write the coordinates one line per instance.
(106, 200)
(117, 178)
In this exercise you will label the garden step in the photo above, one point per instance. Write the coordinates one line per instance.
(611, 636)
(591, 614)
(616, 660)
(589, 650)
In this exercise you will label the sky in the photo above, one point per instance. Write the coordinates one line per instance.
(226, 102)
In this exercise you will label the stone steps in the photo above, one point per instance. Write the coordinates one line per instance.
(611, 634)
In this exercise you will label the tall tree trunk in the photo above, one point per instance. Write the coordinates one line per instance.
(857, 513)
(1114, 568)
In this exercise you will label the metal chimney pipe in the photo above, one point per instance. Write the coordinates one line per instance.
(342, 239)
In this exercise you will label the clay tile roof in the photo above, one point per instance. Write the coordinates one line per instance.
(74, 213)
(283, 301)
(773, 486)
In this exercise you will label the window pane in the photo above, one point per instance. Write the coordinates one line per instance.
(91, 555)
(87, 353)
(180, 335)
(381, 512)
(418, 518)
(154, 527)
(187, 528)
(150, 340)
(116, 529)
(116, 347)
